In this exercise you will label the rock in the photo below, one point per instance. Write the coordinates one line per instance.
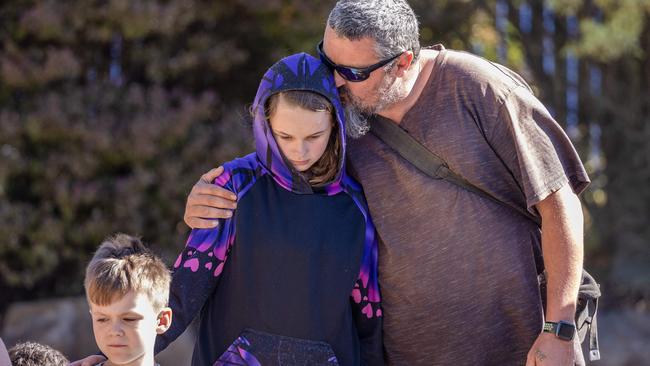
(65, 324)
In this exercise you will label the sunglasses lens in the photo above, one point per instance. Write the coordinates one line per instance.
(352, 74)
(347, 73)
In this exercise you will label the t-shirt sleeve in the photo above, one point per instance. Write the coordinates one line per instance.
(534, 148)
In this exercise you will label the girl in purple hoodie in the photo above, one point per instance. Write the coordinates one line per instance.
(291, 277)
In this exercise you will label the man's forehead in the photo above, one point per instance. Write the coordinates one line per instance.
(346, 52)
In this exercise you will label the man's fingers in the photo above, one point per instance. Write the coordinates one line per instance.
(211, 190)
(212, 201)
(210, 176)
(93, 360)
(207, 212)
(89, 361)
(208, 202)
(530, 359)
(199, 223)
(205, 217)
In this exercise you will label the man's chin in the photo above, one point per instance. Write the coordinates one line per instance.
(351, 101)
(363, 108)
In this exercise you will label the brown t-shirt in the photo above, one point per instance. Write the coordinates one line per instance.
(457, 271)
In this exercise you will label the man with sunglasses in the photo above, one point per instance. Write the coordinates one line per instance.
(458, 272)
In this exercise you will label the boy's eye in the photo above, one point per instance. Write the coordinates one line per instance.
(130, 319)
(102, 320)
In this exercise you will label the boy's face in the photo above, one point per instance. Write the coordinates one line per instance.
(125, 330)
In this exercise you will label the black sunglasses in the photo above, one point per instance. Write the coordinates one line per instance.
(353, 74)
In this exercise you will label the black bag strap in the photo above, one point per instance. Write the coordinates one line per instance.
(428, 162)
(435, 167)
(594, 349)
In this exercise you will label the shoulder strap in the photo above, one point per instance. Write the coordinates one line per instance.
(428, 162)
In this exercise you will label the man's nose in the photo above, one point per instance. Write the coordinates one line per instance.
(338, 79)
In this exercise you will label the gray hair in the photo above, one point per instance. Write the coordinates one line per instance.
(391, 23)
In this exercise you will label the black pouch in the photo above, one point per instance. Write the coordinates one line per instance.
(255, 348)
(586, 311)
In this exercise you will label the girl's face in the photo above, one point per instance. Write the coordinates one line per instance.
(301, 134)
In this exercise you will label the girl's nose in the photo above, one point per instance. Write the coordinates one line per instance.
(302, 149)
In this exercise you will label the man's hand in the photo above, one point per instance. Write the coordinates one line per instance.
(89, 361)
(208, 202)
(552, 351)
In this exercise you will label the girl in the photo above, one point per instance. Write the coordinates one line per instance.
(291, 278)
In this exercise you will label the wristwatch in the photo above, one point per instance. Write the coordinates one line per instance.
(563, 330)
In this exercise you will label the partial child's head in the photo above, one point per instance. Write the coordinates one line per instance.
(36, 354)
(127, 289)
(305, 130)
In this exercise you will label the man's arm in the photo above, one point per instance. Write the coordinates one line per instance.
(208, 202)
(562, 245)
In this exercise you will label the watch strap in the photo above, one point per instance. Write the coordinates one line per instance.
(550, 327)
(554, 328)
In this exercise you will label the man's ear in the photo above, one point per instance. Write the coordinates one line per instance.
(164, 320)
(403, 63)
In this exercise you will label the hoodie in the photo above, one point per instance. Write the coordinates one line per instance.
(291, 277)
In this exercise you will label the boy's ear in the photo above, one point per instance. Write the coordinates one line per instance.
(164, 320)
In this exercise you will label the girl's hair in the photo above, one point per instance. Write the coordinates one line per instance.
(326, 168)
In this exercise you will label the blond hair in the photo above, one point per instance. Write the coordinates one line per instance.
(123, 264)
(326, 168)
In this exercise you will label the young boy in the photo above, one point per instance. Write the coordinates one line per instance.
(127, 288)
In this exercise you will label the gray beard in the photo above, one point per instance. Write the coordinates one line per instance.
(356, 123)
(390, 91)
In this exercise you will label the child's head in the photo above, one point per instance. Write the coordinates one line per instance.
(127, 289)
(304, 128)
(36, 354)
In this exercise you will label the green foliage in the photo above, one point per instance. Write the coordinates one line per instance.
(111, 110)
(83, 162)
(614, 39)
(616, 35)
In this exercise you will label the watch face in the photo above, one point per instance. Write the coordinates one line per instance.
(566, 331)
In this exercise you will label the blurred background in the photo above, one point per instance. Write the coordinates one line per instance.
(111, 110)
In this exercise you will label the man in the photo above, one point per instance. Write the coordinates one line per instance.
(457, 272)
